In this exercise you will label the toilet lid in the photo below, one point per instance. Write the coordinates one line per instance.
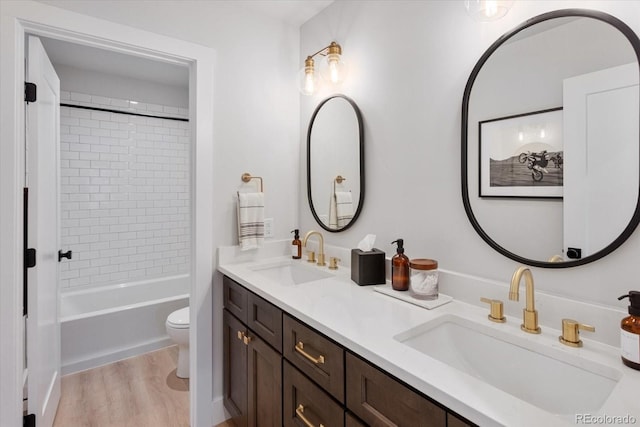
(179, 318)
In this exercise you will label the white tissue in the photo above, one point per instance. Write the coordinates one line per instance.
(366, 244)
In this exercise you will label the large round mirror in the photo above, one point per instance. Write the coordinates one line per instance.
(551, 139)
(335, 163)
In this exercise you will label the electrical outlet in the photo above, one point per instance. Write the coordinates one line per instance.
(268, 227)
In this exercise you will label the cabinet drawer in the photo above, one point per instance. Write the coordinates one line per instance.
(235, 298)
(265, 319)
(306, 404)
(380, 400)
(316, 356)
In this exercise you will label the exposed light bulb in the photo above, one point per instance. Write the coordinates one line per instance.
(487, 10)
(334, 70)
(308, 79)
(542, 134)
(491, 8)
(309, 83)
(520, 136)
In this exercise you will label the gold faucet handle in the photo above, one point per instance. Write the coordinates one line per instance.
(311, 256)
(497, 311)
(571, 334)
(333, 262)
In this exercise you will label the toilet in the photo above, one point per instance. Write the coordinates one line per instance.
(178, 329)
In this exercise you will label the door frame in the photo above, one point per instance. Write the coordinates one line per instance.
(19, 19)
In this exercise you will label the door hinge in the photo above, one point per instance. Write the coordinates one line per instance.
(29, 420)
(29, 254)
(30, 92)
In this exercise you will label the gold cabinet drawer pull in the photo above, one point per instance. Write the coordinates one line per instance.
(246, 339)
(240, 334)
(300, 349)
(300, 414)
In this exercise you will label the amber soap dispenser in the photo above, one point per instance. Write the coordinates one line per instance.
(400, 269)
(630, 332)
(296, 245)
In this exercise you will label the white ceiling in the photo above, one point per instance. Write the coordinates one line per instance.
(119, 64)
(293, 12)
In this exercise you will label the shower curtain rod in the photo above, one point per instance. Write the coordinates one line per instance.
(109, 110)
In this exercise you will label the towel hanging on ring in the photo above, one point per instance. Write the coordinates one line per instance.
(250, 220)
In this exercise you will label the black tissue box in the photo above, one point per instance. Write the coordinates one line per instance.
(367, 268)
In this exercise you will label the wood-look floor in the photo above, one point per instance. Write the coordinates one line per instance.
(140, 391)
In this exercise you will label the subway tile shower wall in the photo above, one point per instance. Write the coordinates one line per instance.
(124, 192)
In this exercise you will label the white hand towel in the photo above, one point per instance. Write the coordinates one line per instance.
(344, 207)
(250, 220)
(333, 212)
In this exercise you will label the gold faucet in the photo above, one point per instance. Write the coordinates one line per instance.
(320, 250)
(530, 314)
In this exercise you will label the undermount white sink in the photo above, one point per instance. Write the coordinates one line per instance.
(544, 376)
(291, 273)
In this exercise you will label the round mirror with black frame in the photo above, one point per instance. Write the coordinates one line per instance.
(335, 163)
(550, 158)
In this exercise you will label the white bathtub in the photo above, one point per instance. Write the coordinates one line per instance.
(110, 323)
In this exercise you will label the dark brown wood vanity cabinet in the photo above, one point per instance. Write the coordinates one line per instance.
(252, 358)
(279, 371)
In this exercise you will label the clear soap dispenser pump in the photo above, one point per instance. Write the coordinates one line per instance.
(400, 268)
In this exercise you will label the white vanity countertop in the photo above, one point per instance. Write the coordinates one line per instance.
(365, 322)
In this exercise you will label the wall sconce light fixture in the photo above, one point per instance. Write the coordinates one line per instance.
(332, 71)
(487, 10)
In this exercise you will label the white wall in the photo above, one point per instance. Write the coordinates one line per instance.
(409, 64)
(73, 79)
(124, 192)
(255, 119)
(256, 105)
(256, 110)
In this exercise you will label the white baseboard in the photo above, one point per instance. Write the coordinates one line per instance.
(219, 412)
(105, 358)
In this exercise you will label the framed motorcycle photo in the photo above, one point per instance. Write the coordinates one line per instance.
(522, 155)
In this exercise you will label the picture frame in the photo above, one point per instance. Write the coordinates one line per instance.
(522, 155)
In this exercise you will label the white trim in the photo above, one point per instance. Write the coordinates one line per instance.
(18, 18)
(11, 181)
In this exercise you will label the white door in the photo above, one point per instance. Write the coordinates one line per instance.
(600, 142)
(43, 325)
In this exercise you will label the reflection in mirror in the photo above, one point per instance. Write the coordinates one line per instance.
(335, 163)
(551, 139)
